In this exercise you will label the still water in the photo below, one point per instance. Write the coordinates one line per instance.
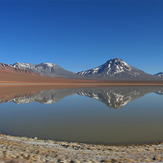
(100, 115)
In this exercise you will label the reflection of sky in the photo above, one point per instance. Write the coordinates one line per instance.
(79, 118)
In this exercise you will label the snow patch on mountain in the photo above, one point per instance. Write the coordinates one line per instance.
(113, 66)
(22, 65)
(115, 69)
(159, 74)
(45, 69)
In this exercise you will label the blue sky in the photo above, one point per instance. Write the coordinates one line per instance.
(78, 35)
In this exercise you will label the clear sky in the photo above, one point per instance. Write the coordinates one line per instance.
(79, 35)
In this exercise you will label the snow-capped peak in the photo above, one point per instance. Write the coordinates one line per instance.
(22, 65)
(111, 67)
(117, 65)
(45, 69)
(159, 74)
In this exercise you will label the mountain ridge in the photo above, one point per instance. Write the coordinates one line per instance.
(159, 74)
(5, 68)
(113, 69)
(45, 69)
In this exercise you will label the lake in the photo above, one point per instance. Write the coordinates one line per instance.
(98, 115)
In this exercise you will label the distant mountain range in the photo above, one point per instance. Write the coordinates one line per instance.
(114, 69)
(5, 68)
(45, 69)
(11, 74)
(159, 74)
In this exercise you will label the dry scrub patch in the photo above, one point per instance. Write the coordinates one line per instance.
(21, 149)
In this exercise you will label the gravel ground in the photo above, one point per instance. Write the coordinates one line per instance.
(21, 149)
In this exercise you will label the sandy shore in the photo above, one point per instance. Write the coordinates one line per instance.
(21, 149)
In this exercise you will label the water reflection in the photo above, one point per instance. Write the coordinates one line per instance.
(160, 92)
(113, 97)
(81, 117)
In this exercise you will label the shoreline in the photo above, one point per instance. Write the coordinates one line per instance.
(73, 85)
(13, 148)
(47, 81)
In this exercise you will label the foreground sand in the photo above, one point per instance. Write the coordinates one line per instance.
(21, 149)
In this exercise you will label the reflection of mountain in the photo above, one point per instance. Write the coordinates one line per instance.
(114, 97)
(160, 92)
(117, 97)
(45, 96)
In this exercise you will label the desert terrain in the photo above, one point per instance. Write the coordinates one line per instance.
(22, 78)
(22, 149)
